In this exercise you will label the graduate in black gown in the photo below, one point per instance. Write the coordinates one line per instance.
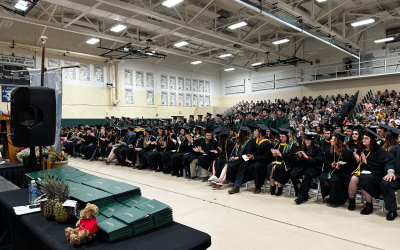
(94, 150)
(193, 154)
(183, 148)
(151, 158)
(147, 147)
(240, 149)
(133, 152)
(369, 173)
(280, 167)
(164, 159)
(307, 164)
(128, 142)
(225, 149)
(259, 158)
(208, 152)
(391, 181)
(338, 165)
(325, 141)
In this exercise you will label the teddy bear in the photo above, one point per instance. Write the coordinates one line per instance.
(86, 226)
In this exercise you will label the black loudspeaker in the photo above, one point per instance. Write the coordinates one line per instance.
(33, 116)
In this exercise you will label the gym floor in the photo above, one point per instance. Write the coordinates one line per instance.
(249, 221)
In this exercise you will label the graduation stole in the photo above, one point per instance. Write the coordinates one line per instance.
(327, 141)
(357, 172)
(262, 140)
(181, 143)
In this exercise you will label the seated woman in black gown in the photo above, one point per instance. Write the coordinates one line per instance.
(308, 163)
(279, 169)
(338, 165)
(369, 173)
(230, 168)
(225, 148)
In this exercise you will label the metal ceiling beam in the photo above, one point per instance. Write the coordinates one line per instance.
(84, 13)
(174, 21)
(92, 33)
(330, 11)
(201, 12)
(51, 16)
(252, 31)
(308, 19)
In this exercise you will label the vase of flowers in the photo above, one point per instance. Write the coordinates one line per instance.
(23, 156)
(57, 162)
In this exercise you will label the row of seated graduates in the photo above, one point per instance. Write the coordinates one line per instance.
(255, 154)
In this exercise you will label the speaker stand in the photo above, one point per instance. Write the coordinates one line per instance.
(32, 163)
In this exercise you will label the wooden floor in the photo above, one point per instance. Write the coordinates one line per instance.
(249, 221)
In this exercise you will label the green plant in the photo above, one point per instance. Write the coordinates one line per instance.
(53, 157)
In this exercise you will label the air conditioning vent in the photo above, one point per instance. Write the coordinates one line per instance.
(6, 23)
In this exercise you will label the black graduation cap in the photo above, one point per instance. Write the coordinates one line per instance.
(191, 116)
(359, 129)
(168, 127)
(161, 127)
(395, 131)
(209, 114)
(148, 129)
(186, 127)
(105, 118)
(127, 118)
(217, 131)
(225, 131)
(275, 132)
(253, 113)
(349, 126)
(122, 118)
(131, 128)
(80, 125)
(174, 117)
(372, 127)
(99, 126)
(68, 128)
(112, 117)
(329, 127)
(241, 113)
(280, 109)
(208, 131)
(218, 115)
(284, 131)
(340, 136)
(174, 136)
(267, 110)
(124, 128)
(88, 128)
(110, 128)
(201, 116)
(233, 128)
(311, 135)
(384, 127)
(371, 134)
(245, 129)
(262, 127)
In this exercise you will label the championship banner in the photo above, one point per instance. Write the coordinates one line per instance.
(53, 80)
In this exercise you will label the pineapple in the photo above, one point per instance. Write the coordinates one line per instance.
(49, 188)
(61, 214)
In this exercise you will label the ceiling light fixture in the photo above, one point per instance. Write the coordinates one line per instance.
(363, 22)
(383, 40)
(237, 25)
(320, 1)
(171, 3)
(180, 44)
(229, 69)
(281, 41)
(196, 62)
(224, 55)
(92, 41)
(118, 28)
(149, 54)
(257, 64)
(293, 25)
(21, 5)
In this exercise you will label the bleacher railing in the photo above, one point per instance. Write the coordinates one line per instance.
(333, 71)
